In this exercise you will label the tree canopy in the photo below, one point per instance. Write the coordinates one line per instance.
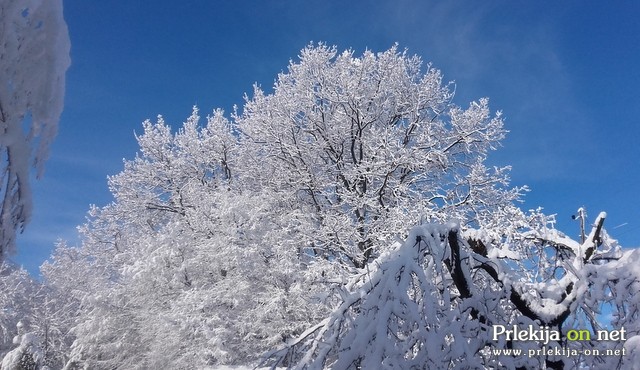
(344, 218)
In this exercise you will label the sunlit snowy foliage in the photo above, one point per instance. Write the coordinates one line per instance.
(34, 321)
(34, 56)
(345, 219)
(432, 303)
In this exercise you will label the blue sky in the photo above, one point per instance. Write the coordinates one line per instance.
(565, 74)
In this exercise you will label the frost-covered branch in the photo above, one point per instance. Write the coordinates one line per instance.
(33, 60)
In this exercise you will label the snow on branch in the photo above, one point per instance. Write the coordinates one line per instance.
(421, 304)
(33, 60)
(392, 317)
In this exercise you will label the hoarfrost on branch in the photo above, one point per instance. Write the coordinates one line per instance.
(34, 57)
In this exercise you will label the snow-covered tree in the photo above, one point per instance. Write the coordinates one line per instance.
(28, 353)
(34, 57)
(426, 305)
(16, 289)
(184, 269)
(280, 227)
(34, 320)
(368, 145)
